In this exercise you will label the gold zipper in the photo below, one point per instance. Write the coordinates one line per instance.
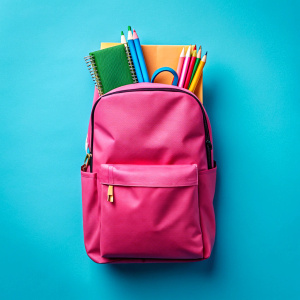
(110, 193)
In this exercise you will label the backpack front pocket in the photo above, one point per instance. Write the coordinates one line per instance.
(150, 212)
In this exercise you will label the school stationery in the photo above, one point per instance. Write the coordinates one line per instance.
(180, 63)
(196, 64)
(160, 70)
(185, 67)
(123, 39)
(142, 203)
(111, 68)
(190, 71)
(140, 55)
(198, 73)
(134, 56)
(158, 56)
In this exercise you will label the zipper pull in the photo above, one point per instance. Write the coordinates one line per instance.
(110, 193)
(86, 162)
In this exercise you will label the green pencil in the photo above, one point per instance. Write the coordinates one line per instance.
(196, 65)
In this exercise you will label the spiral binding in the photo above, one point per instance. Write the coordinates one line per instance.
(130, 63)
(90, 62)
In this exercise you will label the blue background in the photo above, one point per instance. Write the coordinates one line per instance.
(251, 93)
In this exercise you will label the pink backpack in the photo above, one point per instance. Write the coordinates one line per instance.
(147, 192)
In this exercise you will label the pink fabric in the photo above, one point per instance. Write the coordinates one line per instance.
(90, 210)
(147, 144)
(150, 176)
(144, 85)
(155, 213)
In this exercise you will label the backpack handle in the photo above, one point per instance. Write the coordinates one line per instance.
(167, 69)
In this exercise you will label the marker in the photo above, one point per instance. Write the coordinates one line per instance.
(196, 64)
(198, 73)
(185, 67)
(180, 63)
(134, 56)
(140, 56)
(191, 68)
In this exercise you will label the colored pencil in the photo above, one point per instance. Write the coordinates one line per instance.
(123, 39)
(198, 73)
(140, 55)
(134, 56)
(196, 64)
(191, 68)
(185, 67)
(180, 63)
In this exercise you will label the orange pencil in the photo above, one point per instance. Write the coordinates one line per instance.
(191, 68)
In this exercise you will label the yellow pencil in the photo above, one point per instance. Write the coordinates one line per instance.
(198, 74)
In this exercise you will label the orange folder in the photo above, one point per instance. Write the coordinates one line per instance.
(158, 56)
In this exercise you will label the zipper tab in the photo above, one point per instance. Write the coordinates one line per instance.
(110, 193)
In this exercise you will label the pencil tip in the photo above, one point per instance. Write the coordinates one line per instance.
(129, 28)
(134, 30)
(122, 33)
(206, 53)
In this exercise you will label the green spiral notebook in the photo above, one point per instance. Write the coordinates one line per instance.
(111, 68)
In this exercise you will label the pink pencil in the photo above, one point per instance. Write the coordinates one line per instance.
(180, 64)
(191, 68)
(185, 67)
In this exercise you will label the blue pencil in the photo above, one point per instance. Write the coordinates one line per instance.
(140, 55)
(134, 56)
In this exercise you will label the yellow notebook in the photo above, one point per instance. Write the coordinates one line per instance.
(158, 56)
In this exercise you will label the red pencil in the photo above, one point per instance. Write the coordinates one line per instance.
(180, 64)
(191, 68)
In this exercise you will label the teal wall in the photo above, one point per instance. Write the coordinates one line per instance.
(251, 93)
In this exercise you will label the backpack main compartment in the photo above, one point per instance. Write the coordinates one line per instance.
(148, 192)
